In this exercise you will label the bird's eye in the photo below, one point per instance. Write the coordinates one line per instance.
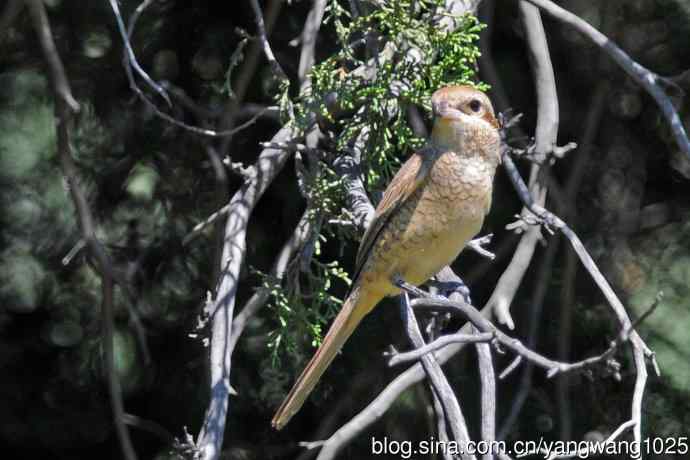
(475, 105)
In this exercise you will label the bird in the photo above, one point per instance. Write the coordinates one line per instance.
(433, 206)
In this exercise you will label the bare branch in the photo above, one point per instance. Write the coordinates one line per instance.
(299, 237)
(130, 62)
(348, 166)
(451, 407)
(547, 133)
(130, 57)
(649, 80)
(65, 104)
(477, 245)
(269, 163)
(511, 367)
(488, 397)
(444, 340)
(263, 38)
(640, 349)
(50, 52)
(551, 366)
(309, 34)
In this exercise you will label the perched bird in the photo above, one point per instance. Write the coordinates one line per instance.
(433, 206)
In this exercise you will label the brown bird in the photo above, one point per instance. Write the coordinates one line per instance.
(433, 206)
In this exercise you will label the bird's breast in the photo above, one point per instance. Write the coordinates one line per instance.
(433, 225)
(462, 185)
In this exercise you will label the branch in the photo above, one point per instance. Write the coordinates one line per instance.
(130, 62)
(478, 320)
(640, 349)
(65, 105)
(644, 77)
(477, 245)
(50, 53)
(442, 389)
(546, 136)
(245, 75)
(546, 132)
(299, 237)
(348, 167)
(130, 57)
(309, 34)
(487, 378)
(443, 341)
(267, 166)
(263, 38)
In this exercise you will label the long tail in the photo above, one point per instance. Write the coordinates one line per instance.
(356, 306)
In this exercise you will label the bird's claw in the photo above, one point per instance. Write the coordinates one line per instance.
(447, 288)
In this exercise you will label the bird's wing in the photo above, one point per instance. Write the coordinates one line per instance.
(408, 178)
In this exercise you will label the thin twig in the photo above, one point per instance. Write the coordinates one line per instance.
(263, 37)
(63, 117)
(130, 57)
(640, 349)
(245, 76)
(551, 366)
(130, 62)
(477, 245)
(444, 340)
(511, 367)
(649, 80)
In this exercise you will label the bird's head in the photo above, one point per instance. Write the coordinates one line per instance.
(464, 120)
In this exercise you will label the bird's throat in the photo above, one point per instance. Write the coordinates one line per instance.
(467, 140)
(447, 135)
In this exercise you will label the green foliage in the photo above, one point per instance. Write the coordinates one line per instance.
(305, 304)
(664, 266)
(416, 57)
(26, 122)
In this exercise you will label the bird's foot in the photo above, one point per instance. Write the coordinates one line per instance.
(446, 289)
(442, 294)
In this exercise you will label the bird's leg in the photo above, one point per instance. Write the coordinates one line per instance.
(435, 324)
(398, 281)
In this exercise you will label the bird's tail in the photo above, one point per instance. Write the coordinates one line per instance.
(356, 306)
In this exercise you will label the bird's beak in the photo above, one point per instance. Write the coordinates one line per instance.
(443, 111)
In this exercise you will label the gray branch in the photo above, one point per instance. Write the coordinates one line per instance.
(267, 166)
(442, 389)
(649, 80)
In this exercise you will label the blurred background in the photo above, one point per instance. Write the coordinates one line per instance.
(148, 184)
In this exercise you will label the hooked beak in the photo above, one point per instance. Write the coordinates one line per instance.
(443, 111)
